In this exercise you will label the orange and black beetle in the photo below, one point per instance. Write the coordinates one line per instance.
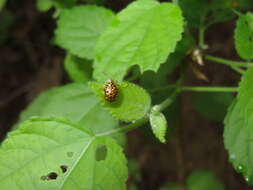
(110, 90)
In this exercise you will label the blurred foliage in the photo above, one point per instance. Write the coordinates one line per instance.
(78, 69)
(212, 105)
(198, 180)
(6, 21)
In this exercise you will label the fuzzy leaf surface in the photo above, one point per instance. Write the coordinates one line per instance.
(131, 103)
(79, 70)
(244, 36)
(246, 93)
(33, 157)
(77, 103)
(158, 124)
(79, 28)
(238, 141)
(72, 101)
(143, 34)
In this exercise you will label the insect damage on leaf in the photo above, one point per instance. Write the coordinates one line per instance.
(64, 168)
(50, 176)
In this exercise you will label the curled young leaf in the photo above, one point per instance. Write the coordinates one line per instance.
(158, 124)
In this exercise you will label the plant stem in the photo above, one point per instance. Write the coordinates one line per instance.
(197, 88)
(237, 69)
(229, 62)
(124, 129)
(209, 89)
(202, 30)
(168, 101)
(202, 44)
(138, 123)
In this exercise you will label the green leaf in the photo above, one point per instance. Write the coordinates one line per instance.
(238, 142)
(158, 124)
(2, 4)
(244, 36)
(194, 11)
(151, 79)
(79, 28)
(77, 103)
(54, 154)
(79, 70)
(131, 103)
(245, 93)
(212, 105)
(203, 180)
(64, 4)
(71, 101)
(203, 13)
(44, 5)
(143, 34)
(99, 121)
(238, 133)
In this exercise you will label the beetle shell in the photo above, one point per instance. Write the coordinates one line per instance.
(110, 91)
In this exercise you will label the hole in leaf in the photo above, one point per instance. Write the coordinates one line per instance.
(64, 168)
(101, 152)
(70, 154)
(50, 176)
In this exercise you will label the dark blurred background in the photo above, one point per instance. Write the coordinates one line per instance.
(31, 64)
